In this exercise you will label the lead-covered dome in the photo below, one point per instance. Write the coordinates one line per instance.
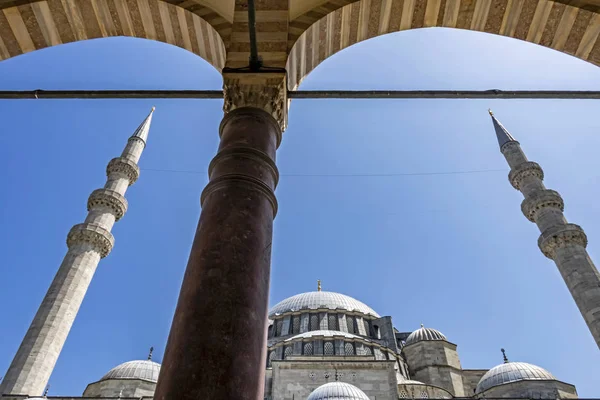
(146, 370)
(423, 334)
(337, 391)
(512, 372)
(321, 300)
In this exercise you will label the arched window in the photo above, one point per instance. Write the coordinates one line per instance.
(308, 349)
(376, 333)
(296, 324)
(287, 352)
(403, 395)
(367, 351)
(314, 322)
(424, 395)
(328, 349)
(278, 327)
(350, 324)
(349, 348)
(367, 326)
(332, 322)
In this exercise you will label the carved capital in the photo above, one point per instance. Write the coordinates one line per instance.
(539, 200)
(108, 198)
(524, 170)
(101, 239)
(267, 91)
(560, 236)
(123, 166)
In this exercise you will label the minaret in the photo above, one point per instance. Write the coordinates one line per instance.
(560, 241)
(88, 242)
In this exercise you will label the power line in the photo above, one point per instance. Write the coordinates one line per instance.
(346, 175)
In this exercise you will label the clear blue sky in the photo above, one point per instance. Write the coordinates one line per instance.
(452, 251)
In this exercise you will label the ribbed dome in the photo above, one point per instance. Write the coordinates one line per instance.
(512, 372)
(337, 391)
(423, 333)
(326, 334)
(317, 300)
(139, 369)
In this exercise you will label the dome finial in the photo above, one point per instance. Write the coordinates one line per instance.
(150, 354)
(46, 390)
(318, 285)
(422, 326)
(504, 356)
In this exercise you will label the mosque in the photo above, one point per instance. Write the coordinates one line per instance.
(320, 345)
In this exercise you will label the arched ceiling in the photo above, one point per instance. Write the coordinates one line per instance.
(296, 34)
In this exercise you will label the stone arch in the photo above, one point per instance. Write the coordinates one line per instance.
(565, 28)
(36, 25)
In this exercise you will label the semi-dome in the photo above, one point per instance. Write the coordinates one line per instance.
(318, 300)
(423, 334)
(326, 334)
(512, 372)
(146, 370)
(337, 391)
(410, 382)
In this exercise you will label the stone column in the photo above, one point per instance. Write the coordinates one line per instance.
(88, 242)
(563, 242)
(216, 347)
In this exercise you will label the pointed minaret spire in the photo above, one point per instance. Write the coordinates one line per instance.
(504, 356)
(501, 133)
(88, 242)
(142, 130)
(561, 241)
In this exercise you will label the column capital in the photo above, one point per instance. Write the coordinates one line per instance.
(539, 200)
(101, 239)
(264, 90)
(524, 170)
(108, 198)
(560, 236)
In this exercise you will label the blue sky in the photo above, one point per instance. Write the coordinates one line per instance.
(451, 251)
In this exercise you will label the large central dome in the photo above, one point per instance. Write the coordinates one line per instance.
(319, 300)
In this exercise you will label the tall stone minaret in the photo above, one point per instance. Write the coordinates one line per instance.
(88, 242)
(560, 241)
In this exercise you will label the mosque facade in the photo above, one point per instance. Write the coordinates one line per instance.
(329, 346)
(320, 345)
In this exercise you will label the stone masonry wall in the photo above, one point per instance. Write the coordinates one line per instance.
(295, 380)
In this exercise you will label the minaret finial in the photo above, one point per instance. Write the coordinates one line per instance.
(501, 133)
(150, 353)
(504, 355)
(422, 326)
(46, 390)
(318, 285)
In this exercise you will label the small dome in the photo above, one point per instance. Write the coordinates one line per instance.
(512, 372)
(337, 391)
(326, 334)
(317, 300)
(146, 370)
(423, 333)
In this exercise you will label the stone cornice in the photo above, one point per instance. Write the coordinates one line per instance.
(524, 170)
(267, 91)
(122, 165)
(560, 236)
(108, 198)
(539, 200)
(95, 235)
